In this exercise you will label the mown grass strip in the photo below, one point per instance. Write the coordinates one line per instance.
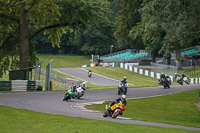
(24, 121)
(64, 61)
(177, 109)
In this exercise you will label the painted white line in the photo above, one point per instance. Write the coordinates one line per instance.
(153, 96)
(124, 118)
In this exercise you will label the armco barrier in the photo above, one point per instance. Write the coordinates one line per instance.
(19, 85)
(150, 73)
(5, 86)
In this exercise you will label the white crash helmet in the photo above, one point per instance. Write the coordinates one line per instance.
(123, 96)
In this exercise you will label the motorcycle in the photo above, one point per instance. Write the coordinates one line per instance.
(185, 79)
(79, 92)
(68, 95)
(122, 88)
(169, 79)
(179, 80)
(115, 110)
(89, 74)
(165, 82)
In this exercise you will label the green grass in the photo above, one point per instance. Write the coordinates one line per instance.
(178, 109)
(117, 73)
(64, 61)
(24, 121)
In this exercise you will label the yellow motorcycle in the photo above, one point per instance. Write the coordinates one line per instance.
(89, 74)
(115, 110)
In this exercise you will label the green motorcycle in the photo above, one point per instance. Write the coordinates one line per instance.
(68, 95)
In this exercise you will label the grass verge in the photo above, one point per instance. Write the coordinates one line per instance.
(117, 73)
(177, 109)
(64, 61)
(24, 121)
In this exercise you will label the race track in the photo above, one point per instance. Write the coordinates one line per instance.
(83, 75)
(51, 102)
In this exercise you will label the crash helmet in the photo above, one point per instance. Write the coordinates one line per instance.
(124, 97)
(124, 78)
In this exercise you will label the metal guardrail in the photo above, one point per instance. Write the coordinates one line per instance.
(63, 80)
(19, 85)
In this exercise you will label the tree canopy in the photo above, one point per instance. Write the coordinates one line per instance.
(21, 21)
(170, 24)
(92, 26)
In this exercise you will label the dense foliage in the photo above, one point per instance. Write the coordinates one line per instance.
(93, 26)
(21, 21)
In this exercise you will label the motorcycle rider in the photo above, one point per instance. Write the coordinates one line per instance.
(89, 71)
(176, 75)
(122, 99)
(162, 76)
(183, 75)
(73, 89)
(124, 80)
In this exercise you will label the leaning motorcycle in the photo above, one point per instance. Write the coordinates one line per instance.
(165, 82)
(89, 74)
(185, 79)
(79, 92)
(115, 110)
(179, 80)
(68, 95)
(122, 88)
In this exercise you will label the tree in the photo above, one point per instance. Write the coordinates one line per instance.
(97, 39)
(23, 20)
(128, 18)
(175, 24)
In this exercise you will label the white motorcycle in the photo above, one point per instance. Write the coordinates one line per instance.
(185, 79)
(79, 92)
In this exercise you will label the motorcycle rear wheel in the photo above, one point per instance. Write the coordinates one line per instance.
(106, 113)
(125, 91)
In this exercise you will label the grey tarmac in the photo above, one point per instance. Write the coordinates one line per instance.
(51, 102)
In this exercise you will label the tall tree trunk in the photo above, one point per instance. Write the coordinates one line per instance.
(23, 44)
(153, 56)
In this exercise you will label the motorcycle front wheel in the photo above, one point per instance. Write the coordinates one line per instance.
(65, 98)
(119, 91)
(115, 114)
